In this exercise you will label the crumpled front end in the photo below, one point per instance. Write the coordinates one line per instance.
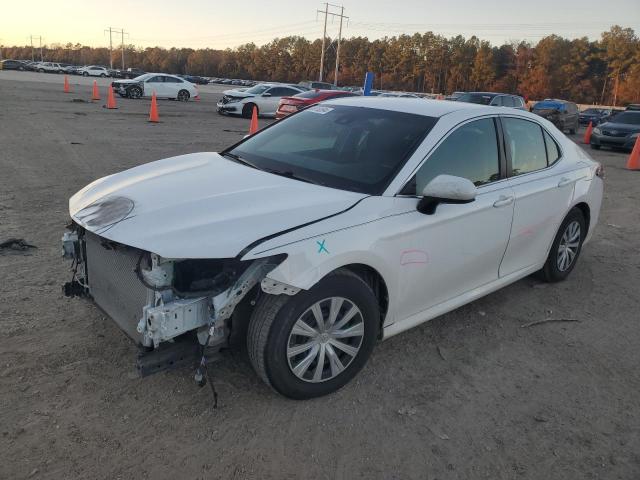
(156, 301)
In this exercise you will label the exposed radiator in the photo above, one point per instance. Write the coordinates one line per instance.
(114, 285)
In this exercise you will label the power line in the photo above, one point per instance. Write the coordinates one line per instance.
(122, 33)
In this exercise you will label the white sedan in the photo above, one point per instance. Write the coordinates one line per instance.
(348, 222)
(93, 71)
(165, 86)
(264, 96)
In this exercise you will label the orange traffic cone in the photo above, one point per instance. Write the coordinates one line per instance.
(197, 97)
(587, 134)
(66, 85)
(634, 159)
(111, 99)
(96, 93)
(253, 126)
(153, 112)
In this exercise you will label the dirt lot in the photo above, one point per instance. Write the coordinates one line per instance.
(469, 395)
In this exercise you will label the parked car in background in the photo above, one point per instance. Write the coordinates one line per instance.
(348, 222)
(633, 106)
(132, 72)
(12, 65)
(564, 115)
(264, 96)
(165, 86)
(454, 96)
(93, 71)
(493, 99)
(621, 131)
(594, 116)
(50, 67)
(195, 79)
(289, 105)
(309, 84)
(398, 95)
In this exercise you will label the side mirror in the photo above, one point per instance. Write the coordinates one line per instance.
(446, 189)
(267, 94)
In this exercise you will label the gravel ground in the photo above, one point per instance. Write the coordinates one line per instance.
(469, 395)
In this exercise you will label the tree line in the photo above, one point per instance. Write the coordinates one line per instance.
(604, 71)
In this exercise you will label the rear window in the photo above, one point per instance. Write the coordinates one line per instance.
(350, 148)
(309, 94)
(479, 98)
(549, 106)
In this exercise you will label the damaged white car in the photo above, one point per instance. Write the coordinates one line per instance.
(340, 225)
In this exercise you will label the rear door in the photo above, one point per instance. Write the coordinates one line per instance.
(155, 84)
(172, 86)
(543, 191)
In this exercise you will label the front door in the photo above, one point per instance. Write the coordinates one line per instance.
(460, 246)
(155, 84)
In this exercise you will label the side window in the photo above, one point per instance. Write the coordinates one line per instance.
(471, 152)
(553, 152)
(498, 101)
(282, 92)
(156, 79)
(172, 80)
(509, 101)
(525, 144)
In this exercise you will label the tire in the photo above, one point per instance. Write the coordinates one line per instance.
(102, 75)
(85, 74)
(247, 110)
(134, 92)
(271, 335)
(183, 96)
(41, 70)
(554, 269)
(595, 147)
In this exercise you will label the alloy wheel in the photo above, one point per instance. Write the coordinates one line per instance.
(568, 246)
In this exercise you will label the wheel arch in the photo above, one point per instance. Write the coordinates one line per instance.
(586, 212)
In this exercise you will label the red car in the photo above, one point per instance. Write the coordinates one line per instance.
(289, 105)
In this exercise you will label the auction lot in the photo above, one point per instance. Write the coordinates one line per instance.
(472, 394)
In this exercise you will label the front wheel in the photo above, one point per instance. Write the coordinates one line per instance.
(566, 247)
(183, 96)
(135, 92)
(85, 74)
(315, 342)
(41, 70)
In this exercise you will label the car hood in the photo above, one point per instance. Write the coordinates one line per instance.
(620, 127)
(200, 205)
(237, 93)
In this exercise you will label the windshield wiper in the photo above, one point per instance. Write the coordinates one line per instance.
(290, 174)
(238, 159)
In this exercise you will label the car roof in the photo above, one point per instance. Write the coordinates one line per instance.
(419, 106)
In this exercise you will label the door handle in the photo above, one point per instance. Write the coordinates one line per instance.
(564, 181)
(503, 201)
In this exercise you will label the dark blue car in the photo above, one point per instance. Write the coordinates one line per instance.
(594, 115)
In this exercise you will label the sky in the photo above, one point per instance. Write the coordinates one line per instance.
(215, 24)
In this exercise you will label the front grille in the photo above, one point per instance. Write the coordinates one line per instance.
(113, 283)
(614, 133)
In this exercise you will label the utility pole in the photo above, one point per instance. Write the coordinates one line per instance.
(335, 78)
(39, 37)
(324, 39)
(111, 31)
(326, 13)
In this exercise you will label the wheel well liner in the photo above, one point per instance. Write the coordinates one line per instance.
(373, 278)
(584, 208)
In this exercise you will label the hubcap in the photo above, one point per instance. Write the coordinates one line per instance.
(325, 339)
(568, 247)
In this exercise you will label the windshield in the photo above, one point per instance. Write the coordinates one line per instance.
(350, 148)
(628, 118)
(482, 99)
(258, 89)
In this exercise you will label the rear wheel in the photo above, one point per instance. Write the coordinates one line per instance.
(41, 70)
(247, 110)
(85, 74)
(103, 75)
(566, 247)
(313, 343)
(183, 96)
